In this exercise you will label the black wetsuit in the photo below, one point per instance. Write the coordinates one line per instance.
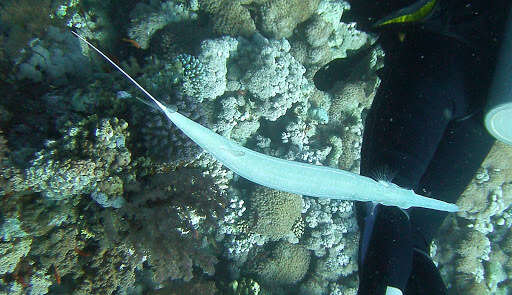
(425, 127)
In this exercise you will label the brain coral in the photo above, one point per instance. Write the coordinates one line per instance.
(285, 264)
(274, 212)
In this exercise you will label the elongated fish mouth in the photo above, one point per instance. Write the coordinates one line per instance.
(289, 176)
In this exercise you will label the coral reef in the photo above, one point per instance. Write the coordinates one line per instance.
(204, 77)
(234, 232)
(325, 38)
(327, 222)
(475, 256)
(350, 101)
(274, 18)
(278, 18)
(110, 208)
(284, 264)
(11, 178)
(275, 78)
(230, 17)
(490, 193)
(12, 252)
(267, 80)
(23, 20)
(148, 19)
(189, 204)
(244, 286)
(53, 59)
(91, 157)
(274, 213)
(114, 271)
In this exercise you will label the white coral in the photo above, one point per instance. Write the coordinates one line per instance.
(276, 79)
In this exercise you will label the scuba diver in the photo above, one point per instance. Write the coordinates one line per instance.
(426, 125)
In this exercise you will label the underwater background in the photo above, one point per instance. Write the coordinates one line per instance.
(101, 194)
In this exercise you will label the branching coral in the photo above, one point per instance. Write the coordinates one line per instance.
(204, 77)
(11, 252)
(328, 223)
(489, 194)
(114, 271)
(91, 157)
(275, 78)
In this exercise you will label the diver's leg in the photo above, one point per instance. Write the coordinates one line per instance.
(406, 123)
(388, 260)
(422, 90)
(459, 155)
(425, 278)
